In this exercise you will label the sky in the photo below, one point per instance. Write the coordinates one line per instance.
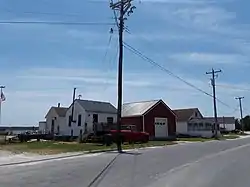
(42, 63)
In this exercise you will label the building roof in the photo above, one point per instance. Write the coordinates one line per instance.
(61, 111)
(184, 114)
(97, 106)
(137, 108)
(221, 120)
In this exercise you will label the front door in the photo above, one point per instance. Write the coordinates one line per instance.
(161, 127)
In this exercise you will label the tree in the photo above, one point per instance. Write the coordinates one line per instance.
(246, 123)
(237, 124)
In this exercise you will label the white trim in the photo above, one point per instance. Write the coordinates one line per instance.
(156, 104)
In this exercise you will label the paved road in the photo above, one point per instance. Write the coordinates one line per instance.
(223, 163)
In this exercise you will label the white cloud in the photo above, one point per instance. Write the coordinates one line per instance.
(210, 58)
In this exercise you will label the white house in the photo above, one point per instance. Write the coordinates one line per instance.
(85, 114)
(191, 122)
(227, 124)
(55, 120)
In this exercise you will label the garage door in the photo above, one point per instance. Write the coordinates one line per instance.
(161, 127)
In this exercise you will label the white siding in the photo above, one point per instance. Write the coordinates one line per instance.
(181, 127)
(87, 117)
(51, 115)
(229, 127)
(78, 110)
(42, 126)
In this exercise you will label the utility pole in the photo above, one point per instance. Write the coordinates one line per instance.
(214, 73)
(241, 115)
(123, 6)
(73, 106)
(2, 98)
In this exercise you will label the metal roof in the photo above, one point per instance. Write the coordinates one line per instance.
(97, 106)
(137, 108)
(184, 114)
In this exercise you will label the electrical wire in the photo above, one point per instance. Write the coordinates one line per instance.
(144, 57)
(55, 23)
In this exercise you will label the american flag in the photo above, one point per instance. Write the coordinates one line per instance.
(3, 98)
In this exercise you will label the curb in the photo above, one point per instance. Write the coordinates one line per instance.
(55, 158)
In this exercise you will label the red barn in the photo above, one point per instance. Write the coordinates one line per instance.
(153, 117)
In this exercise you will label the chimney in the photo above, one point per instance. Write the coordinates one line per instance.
(58, 105)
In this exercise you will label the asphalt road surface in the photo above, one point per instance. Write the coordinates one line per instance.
(220, 163)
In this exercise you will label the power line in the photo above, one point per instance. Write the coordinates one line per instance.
(138, 53)
(55, 23)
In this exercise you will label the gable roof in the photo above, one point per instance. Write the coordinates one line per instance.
(140, 108)
(221, 120)
(60, 111)
(137, 108)
(184, 114)
(97, 106)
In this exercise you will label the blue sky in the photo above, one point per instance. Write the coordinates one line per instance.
(40, 64)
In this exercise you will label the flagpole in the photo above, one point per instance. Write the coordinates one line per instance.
(1, 100)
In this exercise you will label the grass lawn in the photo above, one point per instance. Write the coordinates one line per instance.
(198, 139)
(51, 147)
(230, 136)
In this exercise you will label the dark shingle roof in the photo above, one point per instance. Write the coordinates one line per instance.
(184, 114)
(137, 108)
(97, 106)
(61, 111)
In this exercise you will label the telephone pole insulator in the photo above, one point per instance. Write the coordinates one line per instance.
(216, 125)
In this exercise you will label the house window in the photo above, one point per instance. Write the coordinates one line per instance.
(201, 126)
(69, 121)
(195, 126)
(190, 126)
(110, 120)
(72, 132)
(79, 120)
(80, 132)
(58, 129)
(85, 128)
(195, 114)
(208, 126)
(52, 126)
(95, 118)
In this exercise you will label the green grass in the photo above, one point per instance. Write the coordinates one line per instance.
(51, 147)
(198, 139)
(230, 136)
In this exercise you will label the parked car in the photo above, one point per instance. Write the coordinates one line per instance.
(131, 135)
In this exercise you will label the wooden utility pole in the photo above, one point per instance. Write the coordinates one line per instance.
(123, 6)
(213, 72)
(241, 113)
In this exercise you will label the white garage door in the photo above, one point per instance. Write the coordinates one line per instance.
(161, 127)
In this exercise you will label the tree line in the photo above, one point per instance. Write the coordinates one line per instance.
(245, 122)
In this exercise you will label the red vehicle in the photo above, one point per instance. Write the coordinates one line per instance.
(131, 135)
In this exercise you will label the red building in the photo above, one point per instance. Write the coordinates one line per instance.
(153, 117)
